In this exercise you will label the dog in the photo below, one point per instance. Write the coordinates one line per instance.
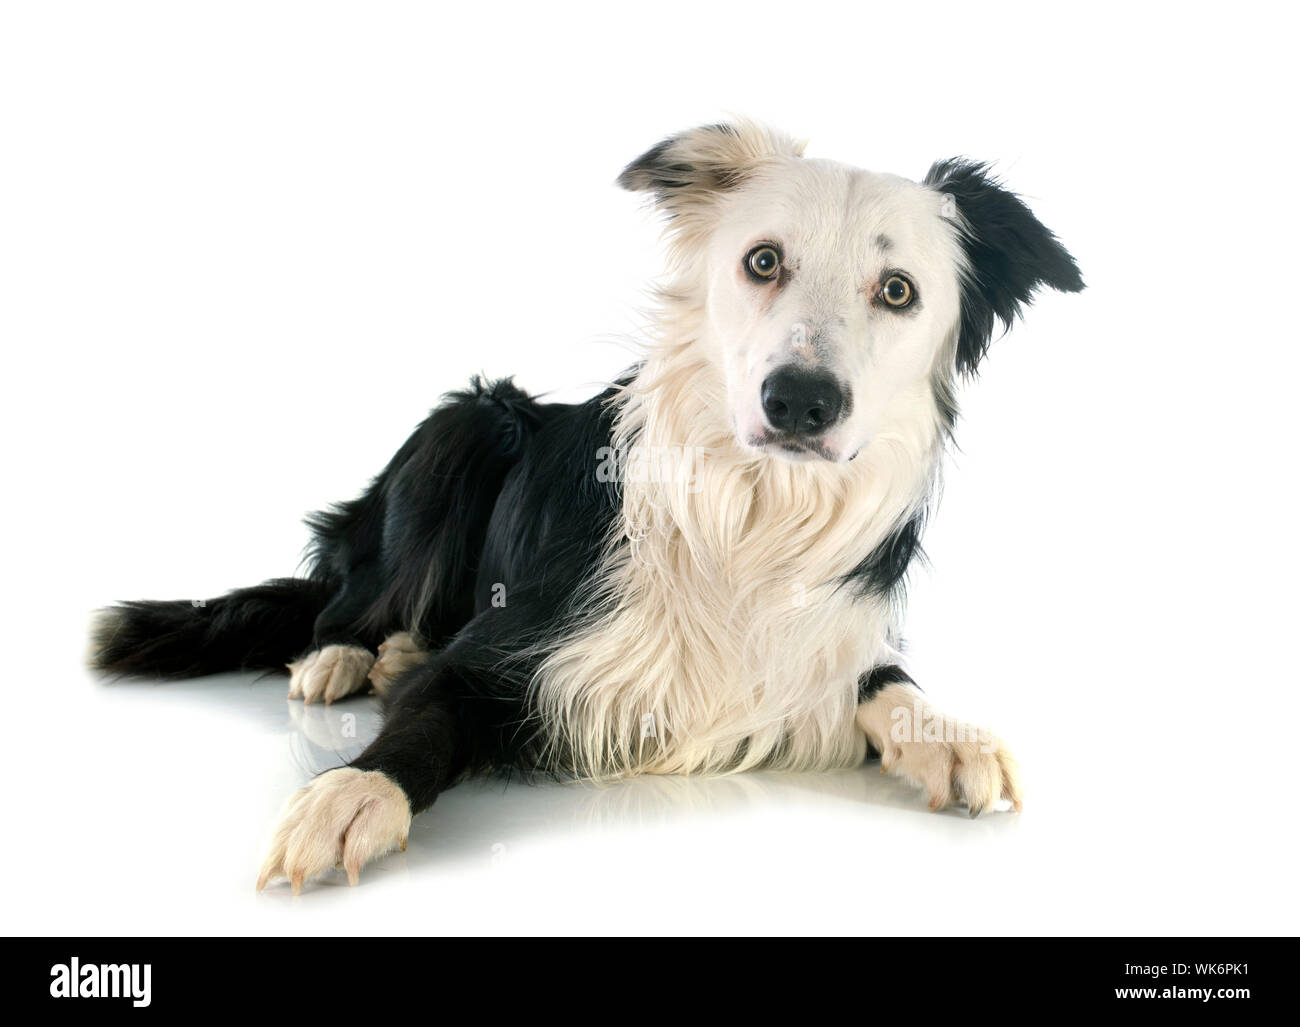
(698, 570)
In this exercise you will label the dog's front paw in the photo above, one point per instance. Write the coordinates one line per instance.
(345, 818)
(953, 761)
(329, 673)
(974, 773)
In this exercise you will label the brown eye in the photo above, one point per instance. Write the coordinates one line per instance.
(897, 291)
(763, 262)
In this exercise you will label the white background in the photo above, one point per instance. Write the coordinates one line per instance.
(245, 246)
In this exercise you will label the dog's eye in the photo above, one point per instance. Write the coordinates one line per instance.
(897, 291)
(763, 262)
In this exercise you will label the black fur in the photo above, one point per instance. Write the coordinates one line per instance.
(1010, 253)
(869, 685)
(466, 707)
(665, 173)
(883, 569)
(478, 536)
(483, 533)
(256, 628)
(401, 557)
(404, 554)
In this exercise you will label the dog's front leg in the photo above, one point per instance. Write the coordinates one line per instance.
(349, 816)
(951, 760)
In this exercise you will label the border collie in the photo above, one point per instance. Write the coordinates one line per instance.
(698, 570)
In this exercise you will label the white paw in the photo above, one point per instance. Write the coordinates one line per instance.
(398, 653)
(345, 818)
(329, 673)
(951, 760)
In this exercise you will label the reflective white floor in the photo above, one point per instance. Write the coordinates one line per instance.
(146, 808)
(211, 330)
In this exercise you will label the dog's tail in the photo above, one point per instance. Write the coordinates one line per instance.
(258, 628)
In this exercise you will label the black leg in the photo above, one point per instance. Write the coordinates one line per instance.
(342, 652)
(422, 745)
(461, 710)
(342, 622)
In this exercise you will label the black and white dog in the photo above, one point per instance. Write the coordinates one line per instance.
(694, 572)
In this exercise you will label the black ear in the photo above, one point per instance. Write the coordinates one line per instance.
(686, 172)
(1009, 253)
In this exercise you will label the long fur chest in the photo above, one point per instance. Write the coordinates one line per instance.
(721, 632)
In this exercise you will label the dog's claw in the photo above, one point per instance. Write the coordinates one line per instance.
(344, 818)
(329, 674)
(958, 765)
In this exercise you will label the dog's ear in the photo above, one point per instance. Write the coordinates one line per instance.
(1009, 253)
(686, 173)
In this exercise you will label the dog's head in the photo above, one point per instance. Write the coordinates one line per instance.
(833, 295)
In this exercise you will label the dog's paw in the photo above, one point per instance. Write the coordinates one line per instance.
(345, 818)
(397, 654)
(976, 774)
(329, 673)
(953, 761)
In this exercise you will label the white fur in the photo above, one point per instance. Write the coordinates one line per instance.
(104, 626)
(720, 637)
(839, 229)
(398, 653)
(344, 817)
(951, 760)
(329, 673)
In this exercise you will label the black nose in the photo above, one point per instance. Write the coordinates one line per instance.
(800, 402)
